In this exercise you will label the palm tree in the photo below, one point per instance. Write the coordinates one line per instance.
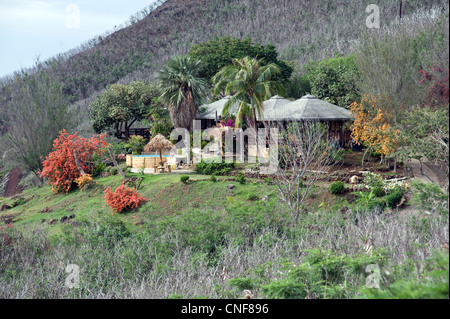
(182, 90)
(250, 83)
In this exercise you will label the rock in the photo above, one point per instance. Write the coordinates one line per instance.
(5, 207)
(351, 198)
(43, 221)
(72, 216)
(63, 219)
(52, 221)
(230, 187)
(46, 210)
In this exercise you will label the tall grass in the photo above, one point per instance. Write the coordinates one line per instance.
(194, 255)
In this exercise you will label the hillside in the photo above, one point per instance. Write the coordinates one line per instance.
(300, 30)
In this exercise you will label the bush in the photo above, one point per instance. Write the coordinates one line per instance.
(123, 198)
(113, 171)
(379, 191)
(204, 168)
(136, 143)
(429, 196)
(240, 178)
(213, 178)
(59, 167)
(184, 178)
(377, 205)
(252, 197)
(337, 188)
(393, 199)
(84, 181)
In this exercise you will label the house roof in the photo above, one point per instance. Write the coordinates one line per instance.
(277, 108)
(310, 107)
(216, 106)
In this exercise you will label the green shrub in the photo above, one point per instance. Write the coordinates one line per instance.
(393, 199)
(136, 143)
(240, 178)
(252, 197)
(184, 178)
(204, 168)
(429, 196)
(432, 285)
(322, 272)
(99, 168)
(377, 205)
(113, 171)
(213, 178)
(337, 188)
(379, 191)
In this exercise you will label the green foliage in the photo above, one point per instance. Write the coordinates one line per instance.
(120, 106)
(393, 199)
(250, 82)
(184, 178)
(240, 178)
(252, 197)
(337, 188)
(322, 274)
(334, 80)
(219, 169)
(220, 52)
(367, 198)
(429, 196)
(379, 191)
(182, 89)
(33, 115)
(213, 178)
(424, 132)
(433, 283)
(113, 171)
(136, 143)
(376, 205)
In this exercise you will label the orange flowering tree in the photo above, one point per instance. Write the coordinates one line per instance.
(372, 127)
(123, 198)
(60, 167)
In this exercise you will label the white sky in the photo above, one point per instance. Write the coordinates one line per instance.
(44, 28)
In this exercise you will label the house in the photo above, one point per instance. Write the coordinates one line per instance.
(279, 112)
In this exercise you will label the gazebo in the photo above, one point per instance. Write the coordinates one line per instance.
(280, 112)
(159, 143)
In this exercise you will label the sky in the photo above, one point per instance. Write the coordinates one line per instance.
(31, 29)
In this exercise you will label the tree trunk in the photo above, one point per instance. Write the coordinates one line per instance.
(77, 163)
(364, 156)
(113, 159)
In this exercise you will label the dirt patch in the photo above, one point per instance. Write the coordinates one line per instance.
(12, 186)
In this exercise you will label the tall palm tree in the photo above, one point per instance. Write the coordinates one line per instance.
(182, 90)
(250, 83)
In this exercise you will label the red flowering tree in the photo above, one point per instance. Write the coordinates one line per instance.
(59, 167)
(123, 198)
(436, 79)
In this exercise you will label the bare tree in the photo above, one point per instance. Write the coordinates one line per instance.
(304, 156)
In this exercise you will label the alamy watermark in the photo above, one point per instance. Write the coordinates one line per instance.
(73, 17)
(229, 144)
(373, 20)
(73, 278)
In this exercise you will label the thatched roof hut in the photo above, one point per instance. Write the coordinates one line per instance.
(158, 143)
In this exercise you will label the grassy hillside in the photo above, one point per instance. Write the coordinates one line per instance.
(200, 240)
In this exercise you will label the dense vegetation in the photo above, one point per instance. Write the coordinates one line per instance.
(295, 234)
